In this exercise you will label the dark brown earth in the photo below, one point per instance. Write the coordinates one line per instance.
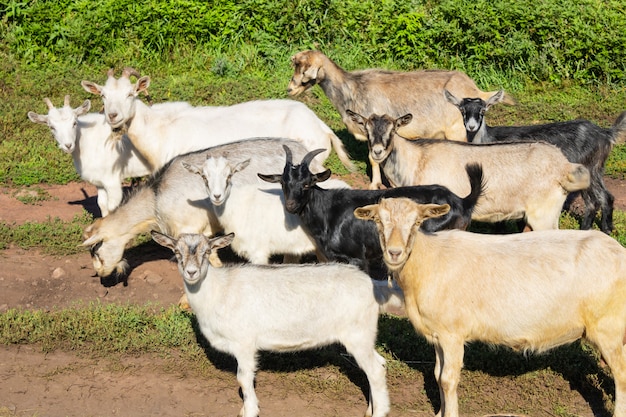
(63, 384)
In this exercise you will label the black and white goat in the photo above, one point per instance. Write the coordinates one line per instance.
(327, 214)
(580, 141)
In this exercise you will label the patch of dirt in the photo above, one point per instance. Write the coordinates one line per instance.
(62, 384)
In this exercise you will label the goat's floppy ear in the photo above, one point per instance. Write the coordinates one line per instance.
(366, 212)
(241, 165)
(433, 210)
(191, 168)
(451, 98)
(91, 87)
(274, 178)
(403, 120)
(356, 118)
(163, 239)
(310, 74)
(221, 241)
(322, 176)
(37, 118)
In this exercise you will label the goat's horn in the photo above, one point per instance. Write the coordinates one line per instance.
(111, 73)
(67, 100)
(128, 71)
(288, 154)
(309, 156)
(48, 102)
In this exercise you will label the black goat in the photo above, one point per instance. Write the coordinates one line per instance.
(328, 214)
(580, 141)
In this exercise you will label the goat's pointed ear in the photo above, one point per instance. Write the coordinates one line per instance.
(403, 120)
(433, 210)
(355, 117)
(91, 240)
(273, 178)
(221, 241)
(83, 108)
(366, 212)
(37, 118)
(496, 98)
(322, 176)
(191, 168)
(91, 87)
(241, 165)
(142, 84)
(451, 98)
(163, 239)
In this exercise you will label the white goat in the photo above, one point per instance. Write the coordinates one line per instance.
(239, 208)
(388, 92)
(528, 291)
(525, 180)
(282, 308)
(102, 162)
(176, 201)
(161, 135)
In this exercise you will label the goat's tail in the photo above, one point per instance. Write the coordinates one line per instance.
(341, 152)
(619, 129)
(577, 178)
(477, 186)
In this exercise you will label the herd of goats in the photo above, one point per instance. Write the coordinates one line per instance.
(251, 176)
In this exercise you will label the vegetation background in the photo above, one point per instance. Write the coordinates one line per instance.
(561, 60)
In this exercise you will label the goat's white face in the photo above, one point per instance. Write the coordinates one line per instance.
(107, 257)
(217, 173)
(63, 123)
(192, 251)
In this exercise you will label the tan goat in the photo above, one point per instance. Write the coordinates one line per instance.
(529, 291)
(525, 180)
(389, 92)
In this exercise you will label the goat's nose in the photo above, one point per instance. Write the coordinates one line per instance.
(290, 205)
(394, 253)
(68, 146)
(191, 273)
(217, 197)
(112, 116)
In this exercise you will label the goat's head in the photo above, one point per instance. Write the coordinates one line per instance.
(217, 174)
(192, 252)
(473, 110)
(118, 95)
(397, 221)
(307, 72)
(106, 254)
(62, 121)
(297, 180)
(380, 131)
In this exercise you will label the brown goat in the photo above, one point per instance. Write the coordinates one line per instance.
(389, 92)
(528, 291)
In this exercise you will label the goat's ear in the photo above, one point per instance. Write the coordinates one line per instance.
(496, 98)
(403, 120)
(433, 210)
(221, 241)
(191, 168)
(356, 118)
(241, 165)
(90, 87)
(366, 212)
(142, 84)
(83, 108)
(451, 98)
(322, 176)
(163, 239)
(310, 74)
(274, 178)
(37, 118)
(91, 240)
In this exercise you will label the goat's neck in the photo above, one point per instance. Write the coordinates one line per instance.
(137, 129)
(481, 135)
(314, 213)
(339, 86)
(401, 162)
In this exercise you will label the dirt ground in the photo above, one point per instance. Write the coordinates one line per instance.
(63, 384)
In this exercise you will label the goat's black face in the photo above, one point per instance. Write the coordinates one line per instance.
(473, 111)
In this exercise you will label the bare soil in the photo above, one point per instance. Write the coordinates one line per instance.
(65, 384)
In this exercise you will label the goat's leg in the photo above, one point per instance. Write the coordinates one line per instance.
(114, 196)
(374, 367)
(246, 367)
(451, 362)
(608, 338)
(606, 220)
(103, 202)
(377, 181)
